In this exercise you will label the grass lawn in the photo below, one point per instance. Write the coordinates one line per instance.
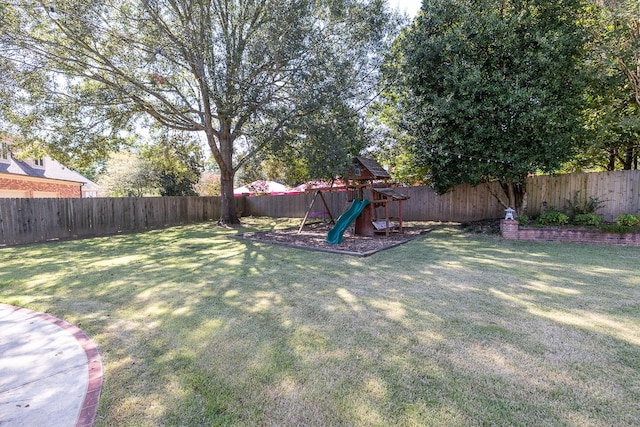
(453, 328)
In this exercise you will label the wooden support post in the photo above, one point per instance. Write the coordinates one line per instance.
(306, 215)
(324, 202)
(364, 226)
(386, 215)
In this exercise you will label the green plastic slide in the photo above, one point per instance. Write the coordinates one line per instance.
(335, 234)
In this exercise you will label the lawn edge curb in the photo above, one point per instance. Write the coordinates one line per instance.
(95, 370)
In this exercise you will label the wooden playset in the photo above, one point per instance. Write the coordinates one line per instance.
(371, 195)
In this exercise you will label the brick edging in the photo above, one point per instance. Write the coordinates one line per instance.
(89, 408)
(510, 229)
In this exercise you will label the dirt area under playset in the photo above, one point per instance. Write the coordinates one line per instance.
(313, 237)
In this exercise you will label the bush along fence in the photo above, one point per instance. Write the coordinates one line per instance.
(35, 220)
(38, 220)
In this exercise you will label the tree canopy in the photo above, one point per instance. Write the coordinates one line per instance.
(169, 165)
(177, 161)
(489, 90)
(612, 113)
(127, 174)
(249, 75)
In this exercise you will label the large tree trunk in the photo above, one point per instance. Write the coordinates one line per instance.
(516, 195)
(228, 214)
(513, 196)
(627, 160)
(611, 163)
(223, 154)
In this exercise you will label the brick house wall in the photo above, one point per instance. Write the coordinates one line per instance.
(64, 189)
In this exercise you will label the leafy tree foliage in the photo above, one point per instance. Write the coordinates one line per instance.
(392, 144)
(127, 174)
(170, 165)
(612, 116)
(177, 161)
(612, 125)
(37, 105)
(248, 75)
(490, 90)
(208, 185)
(319, 146)
(285, 166)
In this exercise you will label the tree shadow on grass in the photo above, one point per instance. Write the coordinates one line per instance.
(200, 329)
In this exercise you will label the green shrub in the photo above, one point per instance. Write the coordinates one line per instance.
(552, 217)
(524, 220)
(589, 219)
(628, 220)
(616, 228)
(579, 207)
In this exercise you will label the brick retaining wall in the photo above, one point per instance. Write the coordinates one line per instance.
(510, 229)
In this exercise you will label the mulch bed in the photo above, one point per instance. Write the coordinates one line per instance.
(486, 226)
(312, 237)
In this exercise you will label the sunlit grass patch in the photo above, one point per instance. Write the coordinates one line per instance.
(197, 328)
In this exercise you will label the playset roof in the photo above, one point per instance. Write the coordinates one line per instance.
(367, 169)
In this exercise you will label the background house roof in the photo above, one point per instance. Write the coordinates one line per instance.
(51, 170)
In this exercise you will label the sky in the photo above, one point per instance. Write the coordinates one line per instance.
(409, 6)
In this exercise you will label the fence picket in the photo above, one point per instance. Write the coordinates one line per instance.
(37, 220)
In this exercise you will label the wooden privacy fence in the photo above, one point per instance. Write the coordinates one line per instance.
(618, 191)
(37, 220)
(461, 204)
